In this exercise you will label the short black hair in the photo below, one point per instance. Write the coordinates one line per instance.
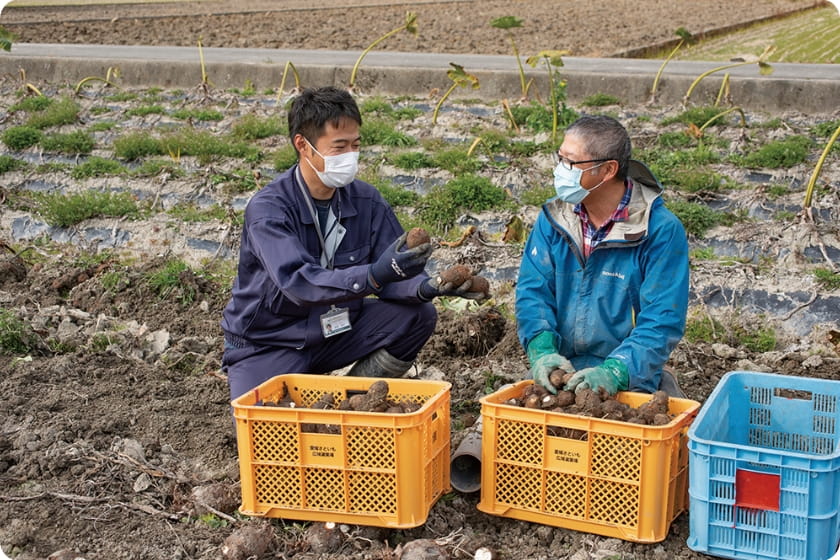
(315, 107)
(604, 138)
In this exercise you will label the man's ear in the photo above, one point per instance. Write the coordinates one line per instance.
(612, 170)
(300, 144)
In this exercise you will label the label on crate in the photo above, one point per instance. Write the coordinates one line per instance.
(321, 450)
(567, 455)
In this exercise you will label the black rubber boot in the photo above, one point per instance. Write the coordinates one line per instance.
(669, 384)
(379, 363)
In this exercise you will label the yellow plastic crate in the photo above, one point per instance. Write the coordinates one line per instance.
(620, 480)
(384, 470)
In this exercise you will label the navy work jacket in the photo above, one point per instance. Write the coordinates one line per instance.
(282, 289)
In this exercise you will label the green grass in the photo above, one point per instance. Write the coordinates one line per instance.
(9, 163)
(675, 139)
(237, 181)
(537, 196)
(73, 143)
(696, 218)
(102, 126)
(198, 114)
(252, 127)
(384, 133)
(16, 337)
(21, 137)
(187, 212)
(697, 116)
(442, 206)
(695, 180)
(31, 104)
(734, 332)
(207, 146)
(67, 210)
(394, 195)
(827, 278)
(456, 161)
(600, 100)
(153, 167)
(97, 166)
(61, 112)
(167, 281)
(145, 110)
(284, 158)
(812, 36)
(136, 145)
(411, 160)
(778, 153)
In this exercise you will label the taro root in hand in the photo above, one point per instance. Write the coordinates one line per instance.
(456, 275)
(417, 236)
(480, 285)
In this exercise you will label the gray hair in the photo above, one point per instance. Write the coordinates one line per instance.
(604, 138)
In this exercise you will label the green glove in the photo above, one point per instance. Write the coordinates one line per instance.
(611, 376)
(543, 356)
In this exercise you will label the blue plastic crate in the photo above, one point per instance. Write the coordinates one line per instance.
(764, 469)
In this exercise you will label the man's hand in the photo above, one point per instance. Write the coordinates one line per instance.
(612, 376)
(434, 287)
(394, 264)
(544, 365)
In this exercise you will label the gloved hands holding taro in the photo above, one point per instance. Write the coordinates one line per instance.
(406, 257)
(399, 263)
(611, 376)
(455, 281)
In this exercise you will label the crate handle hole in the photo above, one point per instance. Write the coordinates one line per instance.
(793, 394)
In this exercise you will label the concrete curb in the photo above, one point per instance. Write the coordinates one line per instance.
(806, 88)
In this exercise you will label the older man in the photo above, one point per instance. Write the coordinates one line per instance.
(603, 283)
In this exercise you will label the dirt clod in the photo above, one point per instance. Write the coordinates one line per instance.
(249, 541)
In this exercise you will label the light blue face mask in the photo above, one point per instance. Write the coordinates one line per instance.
(567, 183)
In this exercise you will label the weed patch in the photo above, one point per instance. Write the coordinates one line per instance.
(778, 154)
(61, 112)
(696, 218)
(441, 207)
(827, 278)
(383, 133)
(252, 127)
(73, 143)
(97, 166)
(67, 210)
(136, 145)
(16, 337)
(21, 137)
(8, 163)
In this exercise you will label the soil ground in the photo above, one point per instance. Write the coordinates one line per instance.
(113, 443)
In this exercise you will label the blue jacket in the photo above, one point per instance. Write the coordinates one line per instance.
(282, 288)
(627, 301)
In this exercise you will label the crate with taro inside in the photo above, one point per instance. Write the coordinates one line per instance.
(614, 466)
(355, 450)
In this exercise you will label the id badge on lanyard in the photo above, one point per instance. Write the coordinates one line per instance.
(335, 321)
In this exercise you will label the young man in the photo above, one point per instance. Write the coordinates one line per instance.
(316, 243)
(603, 283)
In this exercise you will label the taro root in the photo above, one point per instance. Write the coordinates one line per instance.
(417, 236)
(375, 400)
(565, 398)
(658, 404)
(661, 419)
(480, 285)
(532, 401)
(455, 275)
(589, 402)
(548, 402)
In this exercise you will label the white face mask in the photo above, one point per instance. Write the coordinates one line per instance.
(567, 183)
(339, 171)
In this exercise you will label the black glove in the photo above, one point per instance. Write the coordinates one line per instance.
(394, 265)
(432, 288)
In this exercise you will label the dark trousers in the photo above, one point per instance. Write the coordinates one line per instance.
(401, 329)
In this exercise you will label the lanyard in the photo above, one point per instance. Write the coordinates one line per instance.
(307, 197)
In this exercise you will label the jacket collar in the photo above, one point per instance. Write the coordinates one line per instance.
(646, 189)
(341, 197)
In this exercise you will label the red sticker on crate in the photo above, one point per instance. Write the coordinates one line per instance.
(757, 490)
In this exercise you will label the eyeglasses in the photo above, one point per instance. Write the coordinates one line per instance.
(567, 163)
